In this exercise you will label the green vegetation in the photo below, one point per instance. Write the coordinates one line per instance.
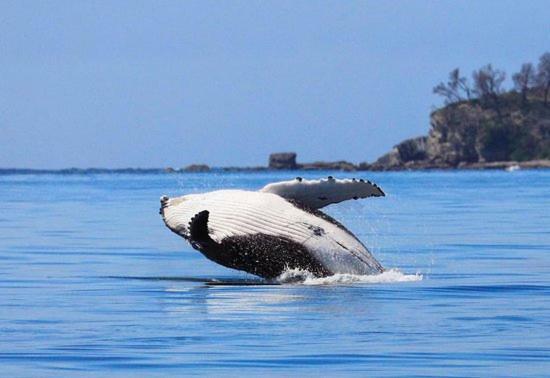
(484, 122)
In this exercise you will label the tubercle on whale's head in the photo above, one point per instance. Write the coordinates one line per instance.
(166, 202)
(163, 204)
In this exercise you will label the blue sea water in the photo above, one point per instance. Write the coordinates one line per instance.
(93, 284)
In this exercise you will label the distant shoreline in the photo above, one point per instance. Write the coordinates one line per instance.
(322, 166)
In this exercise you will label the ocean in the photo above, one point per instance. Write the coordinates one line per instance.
(93, 284)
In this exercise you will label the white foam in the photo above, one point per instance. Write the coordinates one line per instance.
(303, 277)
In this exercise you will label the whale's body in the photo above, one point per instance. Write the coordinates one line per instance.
(277, 228)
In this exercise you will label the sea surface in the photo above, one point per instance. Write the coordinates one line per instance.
(93, 284)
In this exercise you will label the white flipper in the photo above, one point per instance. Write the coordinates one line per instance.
(320, 193)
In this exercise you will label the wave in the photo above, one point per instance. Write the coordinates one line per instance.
(303, 277)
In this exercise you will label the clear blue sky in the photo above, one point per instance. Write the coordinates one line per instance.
(168, 83)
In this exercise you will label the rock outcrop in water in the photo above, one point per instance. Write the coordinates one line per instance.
(282, 160)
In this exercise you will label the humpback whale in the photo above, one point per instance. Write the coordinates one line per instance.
(277, 228)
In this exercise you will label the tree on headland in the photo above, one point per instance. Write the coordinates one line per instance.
(452, 90)
(532, 83)
(543, 75)
(524, 80)
(488, 85)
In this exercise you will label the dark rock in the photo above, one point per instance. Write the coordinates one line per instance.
(323, 165)
(402, 155)
(364, 166)
(244, 169)
(283, 160)
(196, 168)
(391, 159)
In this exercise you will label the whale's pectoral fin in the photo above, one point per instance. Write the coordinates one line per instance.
(200, 238)
(198, 228)
(320, 193)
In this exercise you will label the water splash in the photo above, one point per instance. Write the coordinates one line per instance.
(303, 277)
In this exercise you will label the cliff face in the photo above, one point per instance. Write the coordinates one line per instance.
(404, 155)
(469, 133)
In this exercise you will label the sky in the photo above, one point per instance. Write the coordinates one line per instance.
(170, 83)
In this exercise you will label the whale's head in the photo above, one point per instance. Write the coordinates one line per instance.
(177, 212)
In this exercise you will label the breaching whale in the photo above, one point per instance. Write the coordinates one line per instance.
(277, 228)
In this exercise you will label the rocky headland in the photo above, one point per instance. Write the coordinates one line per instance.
(469, 135)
